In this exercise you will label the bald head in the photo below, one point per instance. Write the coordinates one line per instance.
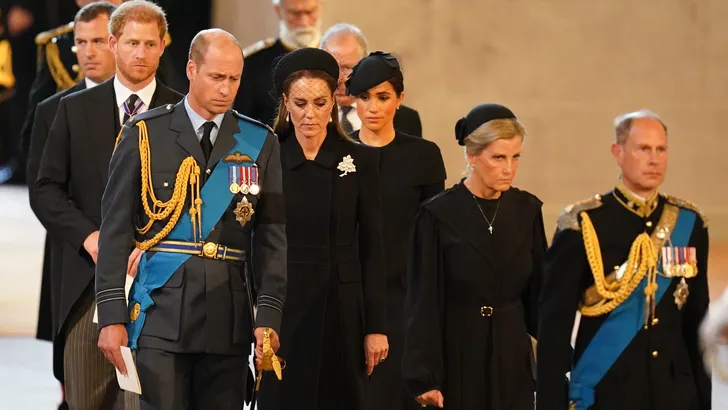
(216, 37)
(214, 69)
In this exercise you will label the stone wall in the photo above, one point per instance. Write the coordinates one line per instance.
(567, 68)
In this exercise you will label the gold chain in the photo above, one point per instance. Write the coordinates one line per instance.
(641, 263)
(188, 173)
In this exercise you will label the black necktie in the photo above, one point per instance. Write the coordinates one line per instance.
(206, 142)
(131, 107)
(345, 123)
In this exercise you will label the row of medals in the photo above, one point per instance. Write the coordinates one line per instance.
(679, 262)
(248, 176)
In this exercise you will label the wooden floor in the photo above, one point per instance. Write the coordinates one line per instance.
(26, 381)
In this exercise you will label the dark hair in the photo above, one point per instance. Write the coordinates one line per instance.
(93, 10)
(282, 127)
(397, 83)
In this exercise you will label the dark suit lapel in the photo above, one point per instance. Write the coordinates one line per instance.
(225, 140)
(187, 139)
(164, 95)
(102, 125)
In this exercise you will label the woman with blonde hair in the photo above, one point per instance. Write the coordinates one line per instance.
(474, 278)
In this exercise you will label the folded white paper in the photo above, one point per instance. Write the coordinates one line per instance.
(130, 382)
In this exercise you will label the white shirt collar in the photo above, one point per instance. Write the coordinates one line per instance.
(197, 120)
(90, 83)
(123, 93)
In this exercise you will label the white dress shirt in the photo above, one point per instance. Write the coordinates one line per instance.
(123, 93)
(352, 116)
(197, 123)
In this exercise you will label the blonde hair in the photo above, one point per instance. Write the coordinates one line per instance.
(140, 11)
(491, 131)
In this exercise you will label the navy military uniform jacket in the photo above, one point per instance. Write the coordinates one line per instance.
(203, 307)
(662, 367)
(255, 97)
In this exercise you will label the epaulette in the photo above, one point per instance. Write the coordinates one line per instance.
(569, 218)
(258, 46)
(684, 203)
(43, 38)
(153, 113)
(251, 120)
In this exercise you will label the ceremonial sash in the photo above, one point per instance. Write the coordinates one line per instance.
(622, 324)
(216, 197)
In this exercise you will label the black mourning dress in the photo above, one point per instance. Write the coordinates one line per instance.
(411, 171)
(472, 298)
(336, 291)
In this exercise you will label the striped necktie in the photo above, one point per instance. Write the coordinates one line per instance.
(132, 105)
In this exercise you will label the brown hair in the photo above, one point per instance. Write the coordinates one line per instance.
(283, 127)
(92, 11)
(140, 11)
(202, 40)
(623, 123)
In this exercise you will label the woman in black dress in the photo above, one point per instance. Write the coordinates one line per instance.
(411, 171)
(474, 278)
(334, 320)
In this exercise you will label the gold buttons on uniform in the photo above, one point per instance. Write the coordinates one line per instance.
(209, 171)
(655, 353)
(166, 184)
(655, 321)
(649, 224)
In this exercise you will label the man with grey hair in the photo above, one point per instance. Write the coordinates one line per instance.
(348, 45)
(299, 26)
(633, 263)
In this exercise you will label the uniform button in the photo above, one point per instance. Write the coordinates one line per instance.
(655, 353)
(649, 224)
(166, 184)
(209, 171)
(655, 321)
(616, 267)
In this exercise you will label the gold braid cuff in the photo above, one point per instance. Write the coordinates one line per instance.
(187, 175)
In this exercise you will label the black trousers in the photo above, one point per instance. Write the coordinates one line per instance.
(178, 381)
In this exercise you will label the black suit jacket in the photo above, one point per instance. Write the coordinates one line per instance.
(66, 196)
(407, 120)
(203, 307)
(53, 252)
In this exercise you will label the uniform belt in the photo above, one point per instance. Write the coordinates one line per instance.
(209, 250)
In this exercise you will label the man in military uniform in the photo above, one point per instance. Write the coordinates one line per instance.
(348, 45)
(634, 263)
(300, 26)
(214, 179)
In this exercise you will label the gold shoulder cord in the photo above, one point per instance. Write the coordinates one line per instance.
(188, 173)
(642, 261)
(58, 71)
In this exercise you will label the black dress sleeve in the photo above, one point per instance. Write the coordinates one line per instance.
(695, 309)
(535, 282)
(436, 174)
(423, 357)
(371, 242)
(565, 262)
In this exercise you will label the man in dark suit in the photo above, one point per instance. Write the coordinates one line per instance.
(348, 45)
(73, 172)
(634, 263)
(190, 315)
(91, 36)
(300, 26)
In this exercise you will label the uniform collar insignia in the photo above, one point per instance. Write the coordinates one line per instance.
(634, 203)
